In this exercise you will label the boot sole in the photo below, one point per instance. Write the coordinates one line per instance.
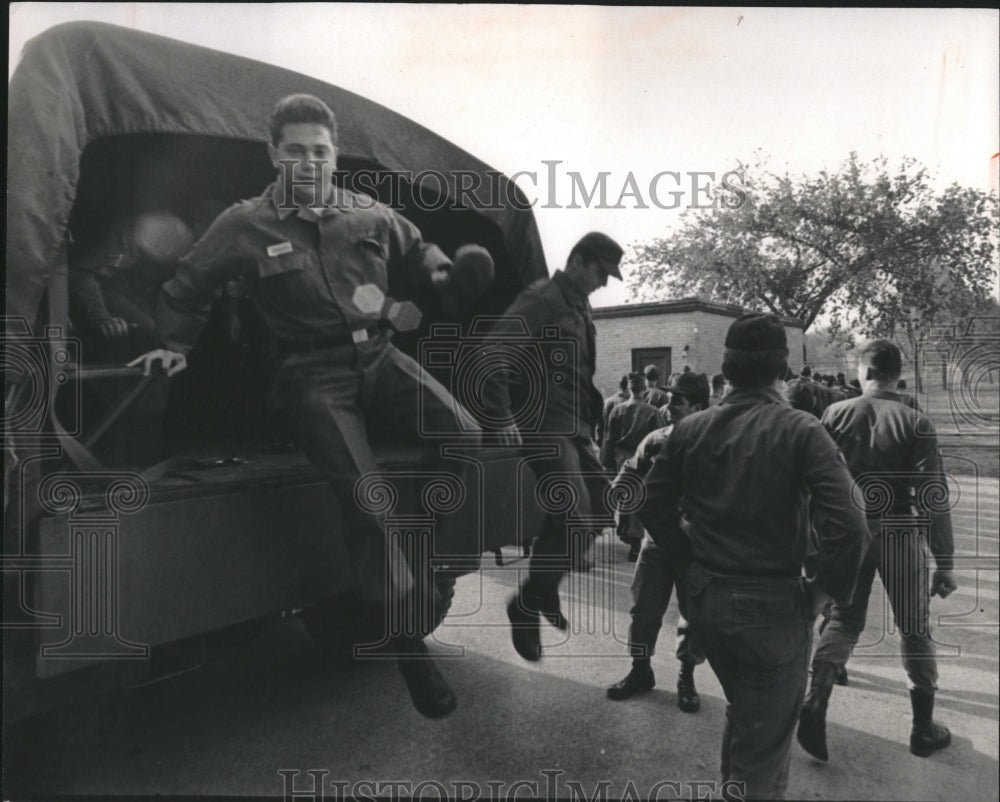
(623, 696)
(927, 751)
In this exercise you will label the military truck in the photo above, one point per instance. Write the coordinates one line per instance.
(136, 533)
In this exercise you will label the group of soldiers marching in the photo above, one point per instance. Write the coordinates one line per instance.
(727, 491)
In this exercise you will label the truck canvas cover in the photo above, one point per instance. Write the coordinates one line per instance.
(79, 83)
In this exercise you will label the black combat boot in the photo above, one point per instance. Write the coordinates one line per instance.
(429, 691)
(687, 696)
(927, 736)
(812, 717)
(639, 680)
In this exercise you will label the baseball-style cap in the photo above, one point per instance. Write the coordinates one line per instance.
(757, 331)
(606, 250)
(693, 386)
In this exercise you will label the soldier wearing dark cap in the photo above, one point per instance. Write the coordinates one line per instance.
(654, 394)
(628, 423)
(890, 448)
(659, 571)
(568, 409)
(747, 475)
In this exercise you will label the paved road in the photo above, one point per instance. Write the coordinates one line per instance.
(270, 706)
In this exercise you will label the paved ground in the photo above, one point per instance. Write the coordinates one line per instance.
(270, 706)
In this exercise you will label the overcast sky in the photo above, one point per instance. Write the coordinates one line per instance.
(627, 91)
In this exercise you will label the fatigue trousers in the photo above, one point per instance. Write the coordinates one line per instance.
(655, 578)
(571, 485)
(756, 633)
(330, 400)
(901, 561)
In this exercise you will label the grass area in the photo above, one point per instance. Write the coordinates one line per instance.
(970, 460)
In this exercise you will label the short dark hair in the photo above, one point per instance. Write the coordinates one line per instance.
(623, 382)
(883, 359)
(636, 381)
(750, 369)
(300, 108)
(806, 371)
(718, 381)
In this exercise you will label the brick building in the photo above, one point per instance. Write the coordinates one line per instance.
(670, 334)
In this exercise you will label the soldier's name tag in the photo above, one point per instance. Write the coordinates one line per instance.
(279, 249)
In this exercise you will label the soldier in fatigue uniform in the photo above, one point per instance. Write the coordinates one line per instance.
(572, 407)
(658, 573)
(881, 435)
(655, 395)
(628, 423)
(316, 260)
(747, 475)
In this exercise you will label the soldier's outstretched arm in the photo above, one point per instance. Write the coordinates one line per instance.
(842, 529)
(932, 492)
(664, 487)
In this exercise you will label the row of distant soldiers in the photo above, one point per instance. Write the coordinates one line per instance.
(641, 407)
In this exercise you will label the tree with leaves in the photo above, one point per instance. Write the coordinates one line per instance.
(875, 251)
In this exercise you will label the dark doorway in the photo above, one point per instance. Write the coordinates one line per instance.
(653, 356)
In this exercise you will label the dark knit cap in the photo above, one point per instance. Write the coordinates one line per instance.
(757, 332)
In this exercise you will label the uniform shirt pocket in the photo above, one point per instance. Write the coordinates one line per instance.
(268, 266)
(287, 281)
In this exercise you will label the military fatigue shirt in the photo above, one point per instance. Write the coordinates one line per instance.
(894, 447)
(609, 404)
(550, 321)
(628, 423)
(656, 396)
(747, 475)
(310, 277)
